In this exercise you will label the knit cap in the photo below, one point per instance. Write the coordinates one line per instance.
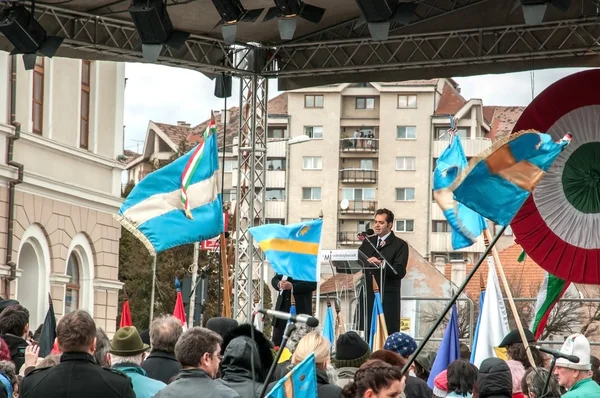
(440, 384)
(401, 343)
(351, 351)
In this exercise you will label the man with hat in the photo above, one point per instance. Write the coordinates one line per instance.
(514, 348)
(351, 351)
(127, 352)
(576, 376)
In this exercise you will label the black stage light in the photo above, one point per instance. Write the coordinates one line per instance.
(155, 28)
(379, 14)
(534, 10)
(232, 12)
(288, 10)
(27, 35)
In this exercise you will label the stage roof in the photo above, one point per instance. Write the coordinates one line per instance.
(444, 38)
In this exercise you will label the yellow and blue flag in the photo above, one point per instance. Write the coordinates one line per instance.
(292, 250)
(497, 182)
(300, 382)
(466, 224)
(378, 331)
(329, 325)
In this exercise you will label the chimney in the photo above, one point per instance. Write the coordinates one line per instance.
(182, 123)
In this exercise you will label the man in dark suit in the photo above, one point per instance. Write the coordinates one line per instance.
(78, 374)
(302, 295)
(395, 252)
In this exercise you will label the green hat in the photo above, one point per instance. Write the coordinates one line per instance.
(127, 342)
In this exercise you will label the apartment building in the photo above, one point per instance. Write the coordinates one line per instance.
(64, 241)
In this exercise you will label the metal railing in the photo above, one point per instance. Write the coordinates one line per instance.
(359, 144)
(360, 207)
(358, 175)
(348, 237)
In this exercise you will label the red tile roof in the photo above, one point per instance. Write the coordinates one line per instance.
(429, 82)
(343, 282)
(130, 155)
(176, 133)
(450, 102)
(503, 120)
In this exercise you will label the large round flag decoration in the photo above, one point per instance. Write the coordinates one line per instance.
(559, 224)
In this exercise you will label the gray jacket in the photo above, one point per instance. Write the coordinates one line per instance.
(192, 382)
(345, 376)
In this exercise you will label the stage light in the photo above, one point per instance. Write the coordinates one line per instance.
(27, 35)
(232, 12)
(379, 14)
(534, 10)
(288, 10)
(155, 28)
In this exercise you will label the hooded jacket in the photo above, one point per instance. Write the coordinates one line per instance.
(240, 353)
(494, 379)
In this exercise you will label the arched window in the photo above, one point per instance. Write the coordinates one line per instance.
(73, 286)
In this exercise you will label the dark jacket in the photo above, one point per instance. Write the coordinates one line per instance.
(194, 383)
(240, 353)
(324, 388)
(77, 375)
(161, 366)
(395, 251)
(417, 388)
(302, 295)
(17, 346)
(494, 379)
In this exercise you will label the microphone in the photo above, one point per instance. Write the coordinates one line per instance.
(309, 320)
(368, 232)
(558, 354)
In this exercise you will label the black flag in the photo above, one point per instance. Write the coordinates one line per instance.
(48, 334)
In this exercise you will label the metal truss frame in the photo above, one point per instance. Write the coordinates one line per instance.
(252, 154)
(568, 38)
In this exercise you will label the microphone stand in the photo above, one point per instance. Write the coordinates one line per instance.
(382, 266)
(547, 383)
(289, 329)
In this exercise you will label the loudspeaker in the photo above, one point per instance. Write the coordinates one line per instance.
(229, 10)
(22, 30)
(151, 21)
(377, 10)
(223, 85)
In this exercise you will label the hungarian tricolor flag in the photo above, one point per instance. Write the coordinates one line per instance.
(179, 311)
(551, 291)
(125, 312)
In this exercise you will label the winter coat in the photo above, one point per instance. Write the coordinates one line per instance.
(417, 388)
(161, 366)
(586, 388)
(345, 376)
(193, 383)
(143, 386)
(240, 353)
(494, 379)
(17, 346)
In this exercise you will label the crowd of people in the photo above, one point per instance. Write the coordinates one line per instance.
(226, 360)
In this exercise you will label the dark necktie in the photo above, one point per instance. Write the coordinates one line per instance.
(379, 241)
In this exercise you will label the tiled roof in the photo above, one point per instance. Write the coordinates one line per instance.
(276, 106)
(488, 113)
(450, 102)
(176, 133)
(524, 278)
(343, 282)
(130, 155)
(503, 120)
(430, 82)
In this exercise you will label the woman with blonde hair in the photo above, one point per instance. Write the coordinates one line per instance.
(376, 379)
(315, 343)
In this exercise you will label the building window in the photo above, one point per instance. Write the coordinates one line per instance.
(279, 221)
(362, 226)
(313, 101)
(358, 194)
(275, 194)
(306, 219)
(84, 134)
(229, 195)
(38, 96)
(276, 164)
(507, 232)
(406, 132)
(440, 226)
(456, 256)
(277, 132)
(406, 163)
(407, 101)
(314, 132)
(405, 226)
(230, 165)
(365, 103)
(312, 163)
(405, 194)
(73, 285)
(441, 133)
(311, 193)
(366, 164)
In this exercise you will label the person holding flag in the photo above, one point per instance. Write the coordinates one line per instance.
(302, 291)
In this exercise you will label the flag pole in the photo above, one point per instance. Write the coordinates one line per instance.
(193, 285)
(462, 287)
(153, 290)
(486, 236)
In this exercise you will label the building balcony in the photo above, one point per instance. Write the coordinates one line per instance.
(276, 149)
(348, 238)
(442, 242)
(359, 207)
(359, 145)
(275, 209)
(471, 146)
(275, 179)
(358, 175)
(244, 181)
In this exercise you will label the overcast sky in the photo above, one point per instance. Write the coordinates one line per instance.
(166, 94)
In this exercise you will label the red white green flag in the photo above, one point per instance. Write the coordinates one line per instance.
(551, 291)
(192, 165)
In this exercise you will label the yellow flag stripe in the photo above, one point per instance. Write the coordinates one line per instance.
(288, 387)
(288, 245)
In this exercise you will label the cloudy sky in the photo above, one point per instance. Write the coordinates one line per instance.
(166, 94)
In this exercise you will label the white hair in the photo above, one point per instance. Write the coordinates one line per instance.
(135, 359)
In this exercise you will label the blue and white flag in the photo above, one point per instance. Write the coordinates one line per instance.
(300, 382)
(449, 350)
(329, 325)
(154, 211)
